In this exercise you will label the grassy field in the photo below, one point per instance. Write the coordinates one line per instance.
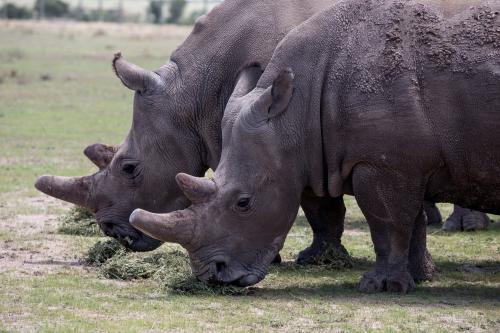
(57, 95)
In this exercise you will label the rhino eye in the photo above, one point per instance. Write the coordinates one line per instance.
(243, 204)
(128, 168)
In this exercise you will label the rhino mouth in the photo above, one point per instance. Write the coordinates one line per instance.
(129, 237)
(221, 271)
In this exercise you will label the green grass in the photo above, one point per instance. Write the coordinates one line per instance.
(44, 127)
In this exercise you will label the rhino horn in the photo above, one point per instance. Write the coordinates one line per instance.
(196, 189)
(101, 155)
(133, 76)
(175, 227)
(71, 189)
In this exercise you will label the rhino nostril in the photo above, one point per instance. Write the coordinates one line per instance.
(107, 228)
(220, 266)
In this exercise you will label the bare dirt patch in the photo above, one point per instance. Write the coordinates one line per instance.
(28, 244)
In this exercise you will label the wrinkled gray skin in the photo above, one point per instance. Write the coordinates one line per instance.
(392, 102)
(176, 122)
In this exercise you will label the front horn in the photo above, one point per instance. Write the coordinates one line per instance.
(71, 189)
(175, 227)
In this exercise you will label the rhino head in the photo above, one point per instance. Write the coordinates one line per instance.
(141, 171)
(252, 201)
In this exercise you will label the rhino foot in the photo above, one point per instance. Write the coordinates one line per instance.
(325, 254)
(466, 219)
(276, 260)
(424, 269)
(378, 281)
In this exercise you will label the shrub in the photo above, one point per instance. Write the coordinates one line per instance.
(12, 11)
(175, 11)
(155, 10)
(51, 8)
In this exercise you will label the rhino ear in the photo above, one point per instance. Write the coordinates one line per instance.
(275, 99)
(281, 92)
(101, 155)
(134, 77)
(246, 81)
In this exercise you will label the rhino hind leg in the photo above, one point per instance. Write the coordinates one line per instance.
(433, 214)
(326, 218)
(420, 263)
(393, 208)
(466, 219)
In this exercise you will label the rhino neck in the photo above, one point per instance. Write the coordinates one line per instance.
(235, 35)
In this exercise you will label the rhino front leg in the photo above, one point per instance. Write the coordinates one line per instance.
(326, 218)
(466, 219)
(393, 206)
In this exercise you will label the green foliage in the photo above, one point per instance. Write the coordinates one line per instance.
(105, 15)
(13, 11)
(155, 10)
(80, 222)
(176, 10)
(51, 8)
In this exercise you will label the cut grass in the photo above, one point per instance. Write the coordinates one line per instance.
(170, 269)
(79, 222)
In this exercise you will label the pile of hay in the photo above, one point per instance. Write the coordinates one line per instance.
(169, 268)
(79, 222)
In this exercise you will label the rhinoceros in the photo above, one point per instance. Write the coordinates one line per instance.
(391, 101)
(176, 122)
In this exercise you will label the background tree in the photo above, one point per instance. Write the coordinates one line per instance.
(155, 10)
(176, 10)
(12, 11)
(51, 8)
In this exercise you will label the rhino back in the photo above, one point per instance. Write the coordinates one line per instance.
(399, 81)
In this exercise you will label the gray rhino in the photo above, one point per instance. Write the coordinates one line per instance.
(176, 122)
(391, 101)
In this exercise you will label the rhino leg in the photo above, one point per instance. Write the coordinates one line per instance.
(326, 218)
(466, 219)
(393, 208)
(432, 213)
(420, 263)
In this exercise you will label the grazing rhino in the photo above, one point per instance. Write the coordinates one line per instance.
(393, 102)
(176, 122)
